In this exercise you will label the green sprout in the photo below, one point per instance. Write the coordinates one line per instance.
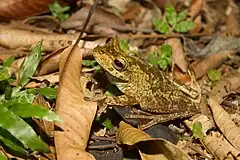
(173, 21)
(161, 57)
(58, 11)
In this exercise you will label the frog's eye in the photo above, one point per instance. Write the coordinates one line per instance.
(119, 64)
(108, 40)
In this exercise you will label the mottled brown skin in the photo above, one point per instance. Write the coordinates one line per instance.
(141, 83)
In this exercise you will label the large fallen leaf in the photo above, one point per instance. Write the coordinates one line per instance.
(149, 148)
(18, 38)
(72, 135)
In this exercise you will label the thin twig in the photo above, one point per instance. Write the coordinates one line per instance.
(103, 146)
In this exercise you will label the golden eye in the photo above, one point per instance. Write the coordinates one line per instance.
(119, 64)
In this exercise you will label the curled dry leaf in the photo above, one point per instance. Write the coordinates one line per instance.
(228, 84)
(52, 78)
(99, 16)
(149, 148)
(5, 53)
(211, 62)
(50, 63)
(198, 25)
(178, 54)
(195, 8)
(219, 146)
(225, 123)
(18, 38)
(72, 135)
(16, 9)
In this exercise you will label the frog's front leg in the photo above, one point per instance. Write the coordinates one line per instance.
(121, 100)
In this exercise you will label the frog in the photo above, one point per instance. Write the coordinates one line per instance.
(144, 85)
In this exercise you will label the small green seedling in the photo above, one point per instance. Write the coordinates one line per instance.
(197, 130)
(172, 21)
(161, 57)
(58, 11)
(214, 75)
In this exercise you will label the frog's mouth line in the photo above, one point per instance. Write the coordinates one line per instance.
(113, 79)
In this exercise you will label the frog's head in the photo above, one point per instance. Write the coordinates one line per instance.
(113, 59)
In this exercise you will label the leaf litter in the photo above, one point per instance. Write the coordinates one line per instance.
(203, 36)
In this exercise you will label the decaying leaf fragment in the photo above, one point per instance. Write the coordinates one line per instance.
(228, 84)
(178, 53)
(149, 148)
(225, 124)
(71, 137)
(219, 146)
(213, 141)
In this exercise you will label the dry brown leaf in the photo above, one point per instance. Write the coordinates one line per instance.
(149, 148)
(211, 62)
(50, 63)
(225, 123)
(5, 53)
(72, 136)
(180, 76)
(16, 38)
(16, 9)
(232, 26)
(195, 8)
(99, 16)
(178, 53)
(51, 78)
(219, 146)
(198, 25)
(228, 84)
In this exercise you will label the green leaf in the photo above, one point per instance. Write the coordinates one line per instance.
(27, 110)
(5, 73)
(21, 130)
(107, 123)
(171, 15)
(48, 92)
(11, 142)
(29, 66)
(152, 59)
(58, 11)
(89, 63)
(182, 15)
(22, 96)
(2, 156)
(166, 50)
(124, 45)
(160, 26)
(8, 62)
(214, 75)
(163, 63)
(8, 92)
(197, 130)
(165, 59)
(184, 26)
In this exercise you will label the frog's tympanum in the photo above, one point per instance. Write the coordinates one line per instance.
(142, 84)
